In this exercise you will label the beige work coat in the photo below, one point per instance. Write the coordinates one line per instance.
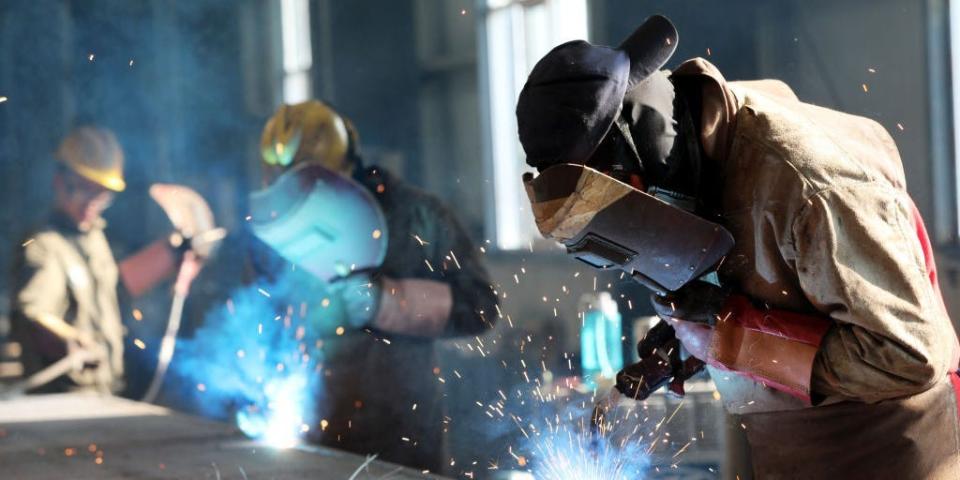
(817, 202)
(69, 274)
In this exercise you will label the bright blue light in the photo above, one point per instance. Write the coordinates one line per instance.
(565, 453)
(280, 421)
(256, 362)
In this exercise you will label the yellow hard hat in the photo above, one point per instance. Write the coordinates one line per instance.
(308, 132)
(94, 154)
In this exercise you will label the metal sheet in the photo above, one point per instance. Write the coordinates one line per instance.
(61, 436)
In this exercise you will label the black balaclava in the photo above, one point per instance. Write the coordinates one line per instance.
(657, 124)
(648, 110)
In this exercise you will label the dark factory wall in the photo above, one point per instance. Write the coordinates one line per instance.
(405, 73)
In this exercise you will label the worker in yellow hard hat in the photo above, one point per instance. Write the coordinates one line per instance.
(308, 132)
(65, 293)
(378, 330)
(95, 155)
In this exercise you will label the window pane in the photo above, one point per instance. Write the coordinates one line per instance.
(517, 36)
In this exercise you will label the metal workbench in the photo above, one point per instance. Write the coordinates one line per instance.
(77, 436)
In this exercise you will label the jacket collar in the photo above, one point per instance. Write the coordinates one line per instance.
(719, 107)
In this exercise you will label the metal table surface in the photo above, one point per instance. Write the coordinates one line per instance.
(63, 436)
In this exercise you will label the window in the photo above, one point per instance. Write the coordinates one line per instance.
(944, 66)
(297, 55)
(516, 34)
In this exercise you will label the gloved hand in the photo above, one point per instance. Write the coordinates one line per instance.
(660, 363)
(692, 311)
(203, 244)
(180, 243)
(89, 353)
(697, 302)
(360, 295)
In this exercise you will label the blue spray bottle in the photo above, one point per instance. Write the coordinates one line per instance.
(601, 347)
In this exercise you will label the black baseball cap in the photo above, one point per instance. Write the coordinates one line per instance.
(574, 93)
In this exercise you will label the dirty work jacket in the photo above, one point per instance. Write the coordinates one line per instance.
(816, 200)
(382, 393)
(69, 274)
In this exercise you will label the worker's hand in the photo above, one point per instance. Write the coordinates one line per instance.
(203, 244)
(691, 311)
(697, 302)
(180, 243)
(360, 296)
(695, 337)
(88, 351)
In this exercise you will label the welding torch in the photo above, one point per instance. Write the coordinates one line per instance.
(624, 231)
(661, 363)
(663, 359)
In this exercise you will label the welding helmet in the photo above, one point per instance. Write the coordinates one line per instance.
(595, 121)
(325, 223)
(94, 154)
(607, 223)
(309, 132)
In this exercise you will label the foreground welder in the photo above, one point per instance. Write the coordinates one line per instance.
(390, 271)
(65, 310)
(831, 341)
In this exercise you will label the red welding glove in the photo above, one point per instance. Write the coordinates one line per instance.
(773, 347)
(160, 260)
(414, 307)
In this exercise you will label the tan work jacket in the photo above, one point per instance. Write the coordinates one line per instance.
(816, 200)
(68, 274)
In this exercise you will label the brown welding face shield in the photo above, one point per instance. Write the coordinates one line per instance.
(607, 223)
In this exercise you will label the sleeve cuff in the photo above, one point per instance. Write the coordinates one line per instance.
(413, 307)
(772, 347)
